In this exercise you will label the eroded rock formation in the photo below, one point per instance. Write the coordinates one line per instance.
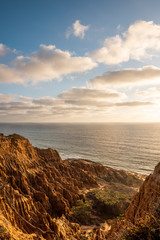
(147, 200)
(38, 189)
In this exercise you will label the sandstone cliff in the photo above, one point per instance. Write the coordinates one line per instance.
(147, 200)
(142, 217)
(38, 189)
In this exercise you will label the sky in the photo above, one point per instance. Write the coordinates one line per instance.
(79, 61)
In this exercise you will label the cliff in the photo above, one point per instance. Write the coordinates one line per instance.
(147, 199)
(38, 190)
(142, 217)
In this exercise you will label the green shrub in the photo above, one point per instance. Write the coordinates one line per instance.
(109, 203)
(145, 229)
(82, 211)
(2, 229)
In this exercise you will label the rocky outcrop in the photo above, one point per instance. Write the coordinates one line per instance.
(38, 188)
(147, 200)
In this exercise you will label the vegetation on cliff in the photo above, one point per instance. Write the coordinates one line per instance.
(147, 228)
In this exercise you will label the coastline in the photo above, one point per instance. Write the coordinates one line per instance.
(125, 146)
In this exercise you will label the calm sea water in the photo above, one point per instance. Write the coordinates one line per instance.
(134, 147)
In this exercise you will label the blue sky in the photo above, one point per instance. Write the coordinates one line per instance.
(87, 61)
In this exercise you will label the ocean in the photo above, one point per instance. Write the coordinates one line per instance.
(132, 147)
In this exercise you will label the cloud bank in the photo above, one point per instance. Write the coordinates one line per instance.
(73, 104)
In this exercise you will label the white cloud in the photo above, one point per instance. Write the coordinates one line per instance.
(9, 75)
(88, 93)
(51, 63)
(77, 30)
(23, 98)
(44, 65)
(140, 38)
(3, 50)
(145, 75)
